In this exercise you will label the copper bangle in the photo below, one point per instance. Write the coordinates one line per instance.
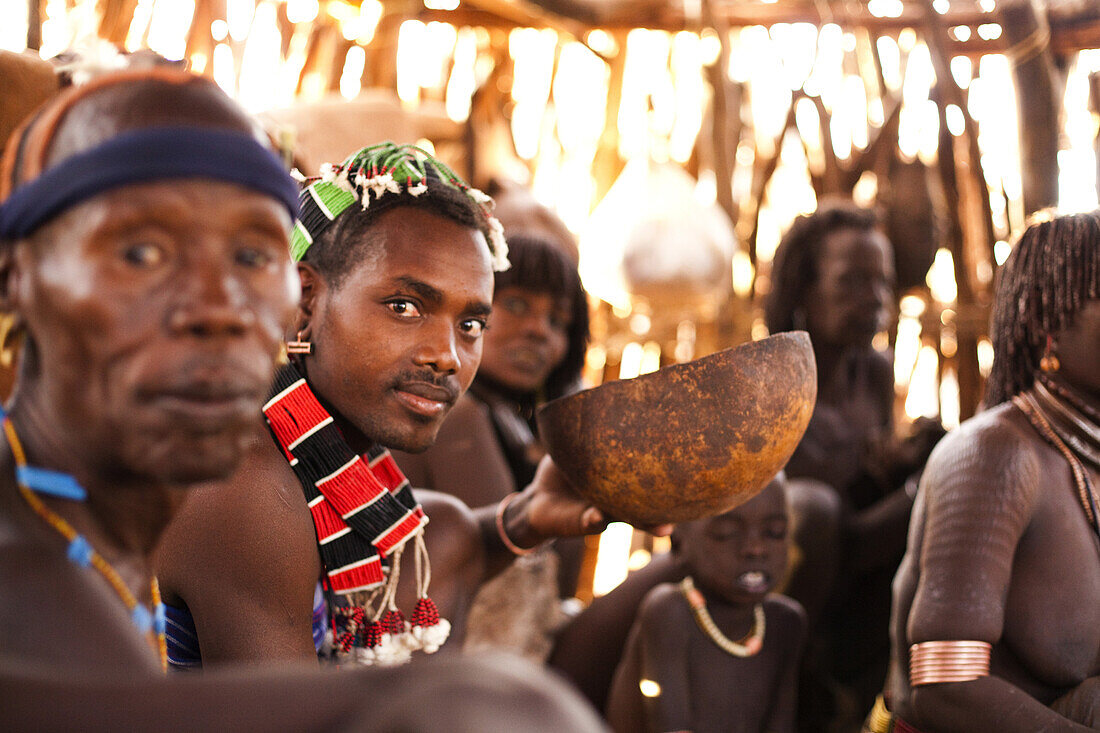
(933, 662)
(505, 540)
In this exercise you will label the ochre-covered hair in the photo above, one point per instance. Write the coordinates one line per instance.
(1053, 269)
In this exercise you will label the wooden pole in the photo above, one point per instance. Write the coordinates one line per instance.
(966, 353)
(34, 24)
(1094, 107)
(117, 16)
(380, 70)
(726, 120)
(1038, 92)
(607, 164)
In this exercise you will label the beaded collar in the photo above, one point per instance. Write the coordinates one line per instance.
(1071, 430)
(1075, 421)
(747, 646)
(31, 479)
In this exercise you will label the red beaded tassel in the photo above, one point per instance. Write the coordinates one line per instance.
(427, 628)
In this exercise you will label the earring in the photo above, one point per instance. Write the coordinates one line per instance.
(298, 346)
(11, 333)
(1049, 361)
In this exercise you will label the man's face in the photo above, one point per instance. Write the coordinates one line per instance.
(157, 311)
(527, 339)
(400, 339)
(855, 278)
(741, 555)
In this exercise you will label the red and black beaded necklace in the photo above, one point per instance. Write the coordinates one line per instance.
(364, 512)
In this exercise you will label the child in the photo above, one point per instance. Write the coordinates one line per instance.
(716, 652)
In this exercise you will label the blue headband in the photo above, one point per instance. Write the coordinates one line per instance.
(144, 155)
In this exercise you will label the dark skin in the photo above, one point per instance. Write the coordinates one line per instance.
(395, 344)
(589, 646)
(851, 433)
(735, 560)
(527, 340)
(460, 694)
(152, 332)
(996, 521)
(528, 337)
(153, 317)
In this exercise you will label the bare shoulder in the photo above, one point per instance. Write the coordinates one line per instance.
(246, 527)
(996, 452)
(445, 507)
(786, 620)
(451, 521)
(663, 602)
(98, 632)
(785, 610)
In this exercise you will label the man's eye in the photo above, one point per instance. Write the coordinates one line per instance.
(144, 254)
(473, 327)
(405, 308)
(253, 257)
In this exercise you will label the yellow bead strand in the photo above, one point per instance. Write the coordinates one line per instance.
(96, 560)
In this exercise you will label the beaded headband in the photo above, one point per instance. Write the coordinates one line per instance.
(381, 170)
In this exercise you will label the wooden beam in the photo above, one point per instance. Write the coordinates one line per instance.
(726, 117)
(1038, 97)
(1068, 34)
(530, 15)
(1094, 107)
(34, 24)
(607, 164)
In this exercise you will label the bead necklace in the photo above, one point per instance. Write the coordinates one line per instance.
(1067, 416)
(1071, 396)
(747, 646)
(1033, 411)
(80, 551)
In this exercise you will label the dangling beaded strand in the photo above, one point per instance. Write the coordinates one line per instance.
(81, 552)
(747, 646)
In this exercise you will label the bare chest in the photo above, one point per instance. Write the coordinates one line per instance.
(1052, 612)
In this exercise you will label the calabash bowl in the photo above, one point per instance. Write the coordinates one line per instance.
(688, 441)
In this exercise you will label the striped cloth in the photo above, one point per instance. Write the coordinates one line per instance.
(183, 640)
(362, 509)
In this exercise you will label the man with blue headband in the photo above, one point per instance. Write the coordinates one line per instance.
(144, 259)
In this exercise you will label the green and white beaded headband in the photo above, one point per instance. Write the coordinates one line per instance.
(380, 170)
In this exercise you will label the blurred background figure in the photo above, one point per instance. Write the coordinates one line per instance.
(852, 479)
(682, 668)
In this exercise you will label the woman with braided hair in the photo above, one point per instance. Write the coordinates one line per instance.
(996, 617)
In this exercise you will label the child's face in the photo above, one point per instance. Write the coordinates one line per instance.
(741, 555)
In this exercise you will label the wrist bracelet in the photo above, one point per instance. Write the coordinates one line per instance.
(934, 662)
(515, 549)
